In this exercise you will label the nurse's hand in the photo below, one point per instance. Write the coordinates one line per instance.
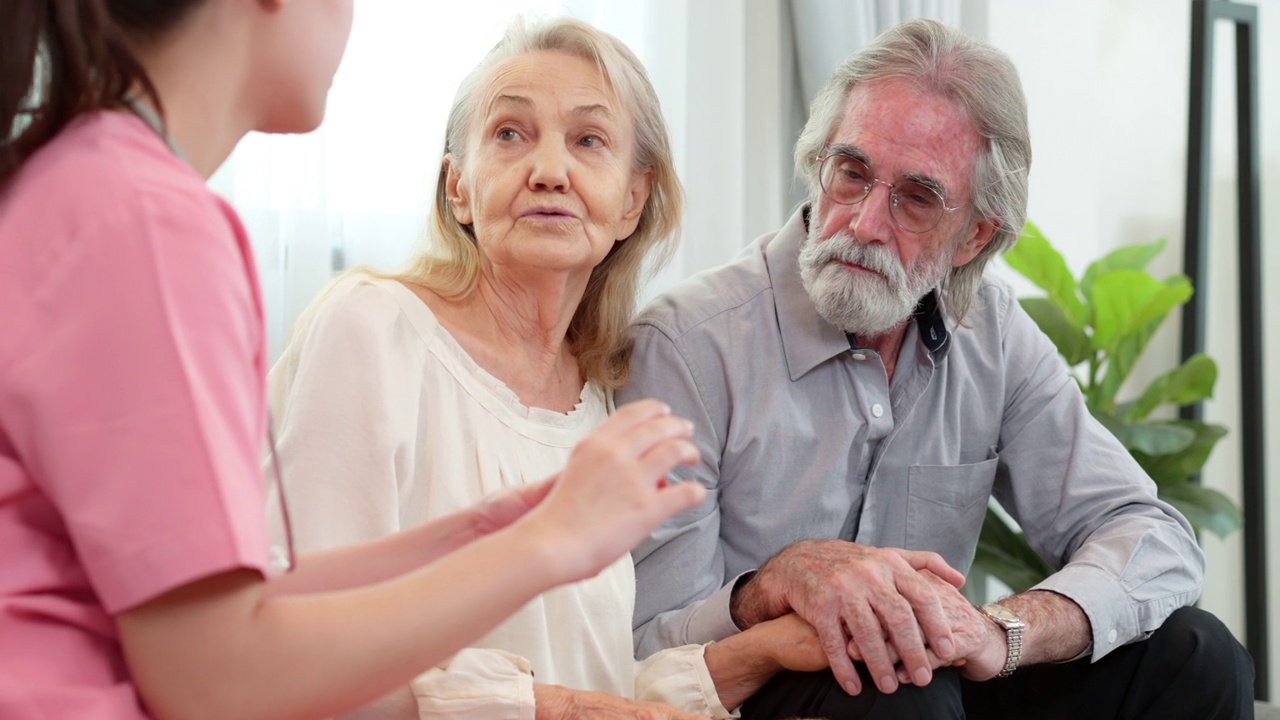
(613, 491)
(502, 508)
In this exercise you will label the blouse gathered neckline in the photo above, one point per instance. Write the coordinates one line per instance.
(476, 378)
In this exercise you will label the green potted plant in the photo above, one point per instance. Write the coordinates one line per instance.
(1101, 324)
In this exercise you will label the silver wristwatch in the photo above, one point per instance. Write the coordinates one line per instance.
(1013, 627)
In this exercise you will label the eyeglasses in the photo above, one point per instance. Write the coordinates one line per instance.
(913, 205)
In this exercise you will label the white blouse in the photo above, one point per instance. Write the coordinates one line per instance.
(384, 422)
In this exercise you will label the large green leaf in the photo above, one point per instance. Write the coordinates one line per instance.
(1177, 292)
(1205, 508)
(1035, 259)
(1124, 301)
(1119, 363)
(1070, 341)
(1005, 554)
(1129, 257)
(1176, 468)
(1189, 383)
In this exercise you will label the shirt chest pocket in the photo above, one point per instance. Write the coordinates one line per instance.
(946, 505)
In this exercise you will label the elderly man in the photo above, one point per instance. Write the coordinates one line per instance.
(860, 390)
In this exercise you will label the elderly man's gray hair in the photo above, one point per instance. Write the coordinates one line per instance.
(983, 81)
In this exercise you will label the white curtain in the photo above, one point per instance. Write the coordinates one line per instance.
(828, 31)
(357, 191)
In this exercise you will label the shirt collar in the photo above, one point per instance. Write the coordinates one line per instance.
(932, 323)
(808, 340)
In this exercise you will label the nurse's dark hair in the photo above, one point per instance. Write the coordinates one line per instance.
(61, 58)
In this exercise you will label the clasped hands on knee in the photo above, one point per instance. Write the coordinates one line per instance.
(900, 612)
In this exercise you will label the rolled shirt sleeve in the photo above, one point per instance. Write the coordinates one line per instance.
(679, 677)
(477, 684)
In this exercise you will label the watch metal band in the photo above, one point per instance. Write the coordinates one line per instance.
(1013, 627)
(1014, 634)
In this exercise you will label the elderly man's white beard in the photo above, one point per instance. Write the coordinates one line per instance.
(864, 305)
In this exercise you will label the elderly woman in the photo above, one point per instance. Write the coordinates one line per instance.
(404, 398)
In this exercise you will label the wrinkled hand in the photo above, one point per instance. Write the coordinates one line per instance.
(741, 664)
(792, 643)
(552, 702)
(613, 491)
(865, 603)
(981, 645)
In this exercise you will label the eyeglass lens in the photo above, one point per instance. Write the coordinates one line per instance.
(913, 205)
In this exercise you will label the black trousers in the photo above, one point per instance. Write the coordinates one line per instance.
(1190, 668)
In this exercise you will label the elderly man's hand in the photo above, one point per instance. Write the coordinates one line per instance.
(1057, 630)
(980, 645)
(866, 603)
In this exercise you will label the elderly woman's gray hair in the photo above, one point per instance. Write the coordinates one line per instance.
(598, 332)
(984, 82)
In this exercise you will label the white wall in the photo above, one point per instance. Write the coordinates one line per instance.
(1107, 89)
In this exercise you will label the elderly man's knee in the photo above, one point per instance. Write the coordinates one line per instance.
(1194, 652)
(939, 699)
(803, 695)
(1191, 636)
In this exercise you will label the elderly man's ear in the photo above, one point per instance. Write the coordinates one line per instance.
(457, 192)
(980, 233)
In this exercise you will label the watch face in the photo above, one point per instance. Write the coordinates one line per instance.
(999, 611)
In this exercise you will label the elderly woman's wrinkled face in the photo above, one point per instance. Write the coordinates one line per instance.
(547, 179)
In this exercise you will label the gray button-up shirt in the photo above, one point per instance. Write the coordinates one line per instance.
(802, 437)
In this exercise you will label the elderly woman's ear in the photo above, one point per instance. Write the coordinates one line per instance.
(639, 195)
(459, 200)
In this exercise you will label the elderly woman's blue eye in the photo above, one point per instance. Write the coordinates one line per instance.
(507, 134)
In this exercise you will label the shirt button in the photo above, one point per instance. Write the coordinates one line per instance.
(1111, 636)
(859, 356)
(877, 410)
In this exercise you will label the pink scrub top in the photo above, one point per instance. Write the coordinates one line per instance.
(132, 411)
